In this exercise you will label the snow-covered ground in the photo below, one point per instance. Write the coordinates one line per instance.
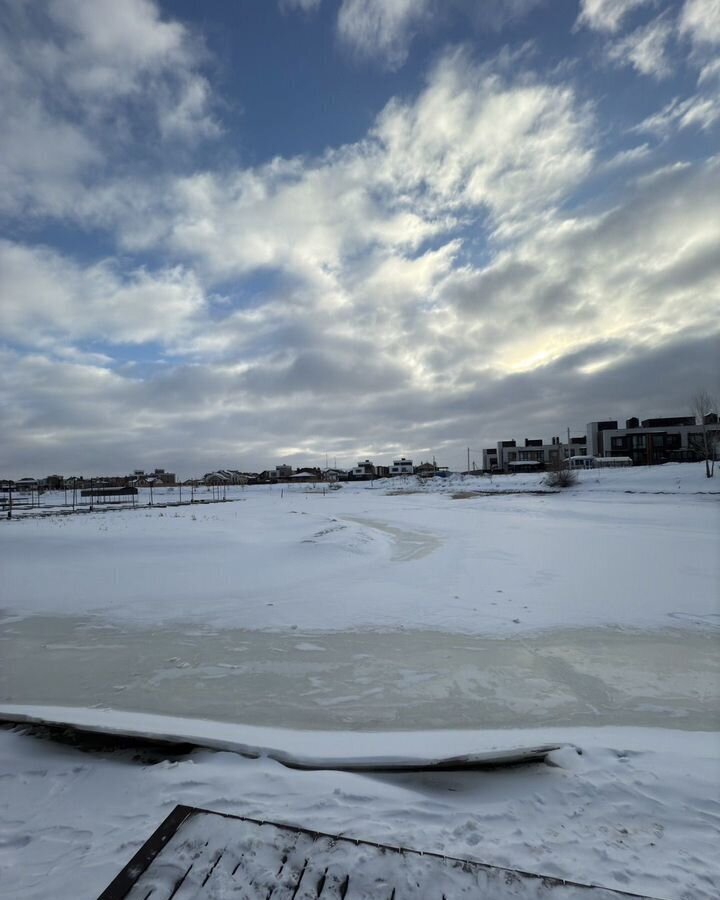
(643, 820)
(443, 605)
(371, 558)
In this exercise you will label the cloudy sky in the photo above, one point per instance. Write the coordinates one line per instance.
(236, 234)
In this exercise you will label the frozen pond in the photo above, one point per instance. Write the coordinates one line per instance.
(367, 680)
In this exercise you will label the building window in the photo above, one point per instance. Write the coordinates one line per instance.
(617, 443)
(639, 441)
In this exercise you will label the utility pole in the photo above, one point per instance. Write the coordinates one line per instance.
(468, 454)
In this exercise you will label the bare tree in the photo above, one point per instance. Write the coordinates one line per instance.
(704, 407)
(559, 473)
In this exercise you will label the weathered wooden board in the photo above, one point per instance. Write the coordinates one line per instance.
(201, 855)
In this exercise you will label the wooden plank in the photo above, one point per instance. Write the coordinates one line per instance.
(120, 886)
(201, 855)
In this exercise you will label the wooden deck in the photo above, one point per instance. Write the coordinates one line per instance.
(201, 855)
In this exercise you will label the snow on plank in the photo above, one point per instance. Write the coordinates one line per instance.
(198, 854)
(383, 751)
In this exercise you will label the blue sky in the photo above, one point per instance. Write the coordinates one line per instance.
(235, 234)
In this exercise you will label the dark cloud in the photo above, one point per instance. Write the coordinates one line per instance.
(99, 427)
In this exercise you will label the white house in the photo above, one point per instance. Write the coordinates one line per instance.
(402, 466)
(364, 470)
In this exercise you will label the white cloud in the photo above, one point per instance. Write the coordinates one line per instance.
(183, 113)
(474, 142)
(369, 313)
(385, 29)
(630, 157)
(639, 273)
(475, 137)
(645, 49)
(631, 272)
(700, 20)
(699, 111)
(92, 81)
(607, 15)
(382, 28)
(105, 47)
(48, 300)
(307, 6)
(581, 310)
(710, 72)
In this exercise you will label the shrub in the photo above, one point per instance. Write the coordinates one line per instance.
(560, 475)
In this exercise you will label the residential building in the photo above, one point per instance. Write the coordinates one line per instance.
(158, 477)
(363, 471)
(402, 466)
(430, 469)
(305, 475)
(652, 441)
(596, 436)
(534, 454)
(490, 459)
(333, 475)
(225, 476)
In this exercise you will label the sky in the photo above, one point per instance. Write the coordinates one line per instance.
(241, 234)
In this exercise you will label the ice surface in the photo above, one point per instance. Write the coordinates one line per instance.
(367, 680)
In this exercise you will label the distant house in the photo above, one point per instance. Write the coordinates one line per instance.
(430, 470)
(363, 471)
(225, 476)
(26, 484)
(534, 454)
(333, 475)
(640, 443)
(156, 478)
(304, 476)
(52, 482)
(490, 459)
(652, 441)
(402, 466)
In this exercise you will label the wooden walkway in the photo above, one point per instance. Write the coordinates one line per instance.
(201, 855)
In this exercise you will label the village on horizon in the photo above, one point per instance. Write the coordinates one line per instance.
(648, 442)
